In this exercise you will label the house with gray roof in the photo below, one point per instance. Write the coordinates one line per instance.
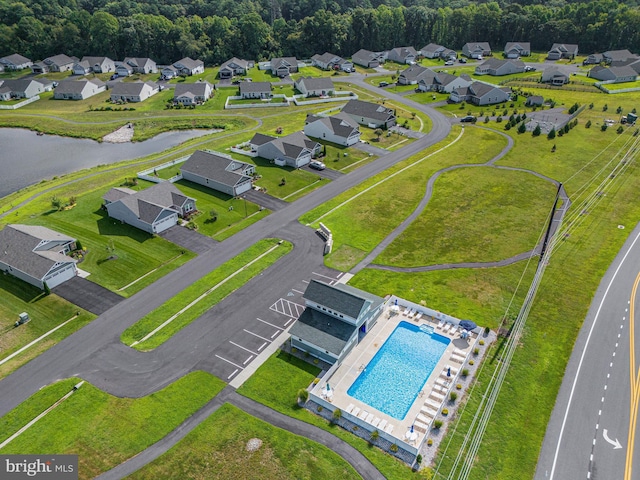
(498, 67)
(593, 59)
(560, 51)
(329, 61)
(333, 315)
(168, 72)
(15, 62)
(315, 87)
(283, 66)
(233, 67)
(442, 82)
(432, 50)
(56, 63)
(340, 129)
(368, 59)
(131, 65)
(619, 57)
(24, 87)
(153, 210)
(255, 90)
(411, 75)
(372, 115)
(192, 93)
(218, 171)
(94, 65)
(37, 255)
(188, 66)
(613, 74)
(476, 50)
(479, 93)
(403, 55)
(294, 150)
(517, 49)
(78, 89)
(555, 75)
(133, 91)
(534, 101)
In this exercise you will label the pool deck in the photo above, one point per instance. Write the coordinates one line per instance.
(433, 395)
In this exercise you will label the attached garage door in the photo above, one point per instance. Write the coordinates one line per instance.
(243, 188)
(60, 276)
(166, 223)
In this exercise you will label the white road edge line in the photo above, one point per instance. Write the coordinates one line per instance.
(584, 351)
(228, 361)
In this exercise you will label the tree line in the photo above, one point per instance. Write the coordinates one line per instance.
(260, 29)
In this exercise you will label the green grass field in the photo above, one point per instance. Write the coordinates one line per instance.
(276, 384)
(46, 312)
(217, 449)
(211, 285)
(101, 429)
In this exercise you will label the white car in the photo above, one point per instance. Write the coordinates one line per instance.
(317, 165)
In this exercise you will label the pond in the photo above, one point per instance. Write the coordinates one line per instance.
(27, 158)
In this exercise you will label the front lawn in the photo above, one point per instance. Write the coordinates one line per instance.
(218, 448)
(101, 429)
(46, 312)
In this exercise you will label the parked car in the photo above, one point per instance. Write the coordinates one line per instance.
(529, 68)
(462, 60)
(383, 84)
(468, 118)
(449, 62)
(317, 165)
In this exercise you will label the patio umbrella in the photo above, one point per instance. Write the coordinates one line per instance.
(328, 387)
(411, 428)
(449, 372)
(396, 301)
(467, 324)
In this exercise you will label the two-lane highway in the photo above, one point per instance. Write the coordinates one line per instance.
(593, 428)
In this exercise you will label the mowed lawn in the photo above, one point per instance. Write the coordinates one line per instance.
(101, 429)
(217, 448)
(477, 214)
(276, 384)
(360, 218)
(117, 253)
(46, 312)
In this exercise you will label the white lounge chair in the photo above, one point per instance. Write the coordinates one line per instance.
(437, 396)
(419, 426)
(462, 353)
(429, 402)
(424, 419)
(369, 418)
(363, 415)
(382, 424)
(446, 328)
(376, 422)
(418, 316)
(355, 411)
(440, 324)
(389, 429)
(349, 408)
(457, 358)
(429, 411)
(454, 330)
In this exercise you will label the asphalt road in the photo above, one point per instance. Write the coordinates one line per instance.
(95, 351)
(588, 436)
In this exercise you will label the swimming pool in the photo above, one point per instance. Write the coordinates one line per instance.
(395, 375)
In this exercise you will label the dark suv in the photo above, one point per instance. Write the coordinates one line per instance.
(468, 118)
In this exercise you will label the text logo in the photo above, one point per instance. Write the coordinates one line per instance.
(45, 467)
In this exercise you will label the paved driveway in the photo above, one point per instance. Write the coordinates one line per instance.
(265, 200)
(189, 239)
(88, 295)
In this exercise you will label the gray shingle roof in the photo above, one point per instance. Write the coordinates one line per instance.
(76, 86)
(189, 63)
(261, 139)
(322, 330)
(293, 144)
(147, 204)
(17, 245)
(413, 72)
(59, 60)
(518, 45)
(198, 89)
(311, 83)
(19, 84)
(241, 63)
(341, 124)
(224, 170)
(255, 87)
(131, 88)
(351, 302)
(432, 48)
(117, 193)
(368, 110)
(14, 59)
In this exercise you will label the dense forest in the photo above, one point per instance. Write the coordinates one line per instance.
(215, 30)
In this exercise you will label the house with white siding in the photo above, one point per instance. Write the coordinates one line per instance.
(78, 89)
(340, 129)
(294, 150)
(133, 91)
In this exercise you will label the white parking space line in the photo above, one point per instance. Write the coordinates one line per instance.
(288, 322)
(297, 291)
(256, 335)
(229, 361)
(240, 346)
(288, 308)
(271, 324)
(325, 276)
(275, 333)
(340, 274)
(234, 372)
(263, 345)
(305, 281)
(247, 360)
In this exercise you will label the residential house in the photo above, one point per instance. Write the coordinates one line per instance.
(593, 59)
(498, 67)
(315, 87)
(619, 57)
(613, 74)
(368, 59)
(255, 90)
(37, 255)
(534, 101)
(219, 172)
(329, 61)
(562, 50)
(15, 62)
(404, 55)
(340, 129)
(188, 66)
(449, 54)
(517, 49)
(555, 75)
(372, 115)
(432, 50)
(133, 91)
(131, 65)
(57, 63)
(25, 87)
(411, 75)
(78, 89)
(94, 65)
(479, 93)
(442, 82)
(476, 50)
(329, 326)
(153, 210)
(192, 93)
(281, 67)
(233, 67)
(294, 150)
(169, 72)
(5, 92)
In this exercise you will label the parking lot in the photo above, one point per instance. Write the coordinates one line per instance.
(244, 346)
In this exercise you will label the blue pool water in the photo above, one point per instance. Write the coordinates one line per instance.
(394, 376)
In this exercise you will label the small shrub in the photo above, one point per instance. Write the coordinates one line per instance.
(453, 396)
(604, 127)
(393, 448)
(315, 380)
(522, 128)
(476, 351)
(536, 131)
(459, 386)
(419, 459)
(620, 129)
(56, 203)
(499, 119)
(486, 330)
(588, 124)
(471, 362)
(552, 134)
(47, 290)
(315, 360)
(486, 119)
(605, 107)
(437, 424)
(619, 110)
(465, 372)
(591, 106)
(294, 350)
(303, 395)
(445, 411)
(430, 442)
(375, 435)
(337, 415)
(481, 342)
(320, 408)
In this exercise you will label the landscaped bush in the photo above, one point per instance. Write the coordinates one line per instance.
(394, 448)
(303, 395)
(453, 396)
(465, 372)
(604, 127)
(437, 424)
(375, 435)
(481, 342)
(459, 386)
(471, 362)
(337, 415)
(476, 351)
(430, 442)
(445, 411)
(588, 124)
